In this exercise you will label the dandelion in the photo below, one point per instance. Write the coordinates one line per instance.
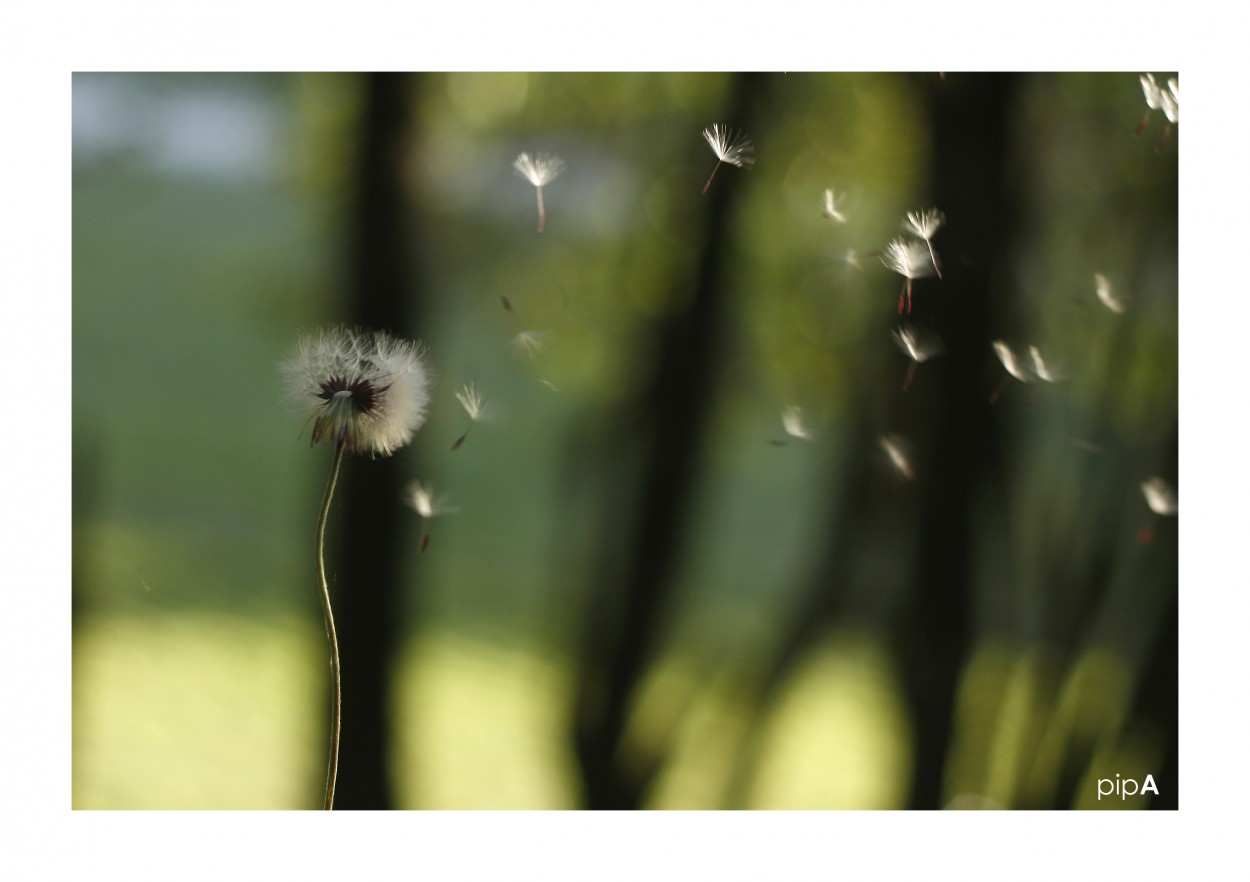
(1102, 287)
(1011, 364)
(474, 404)
(925, 224)
(898, 452)
(910, 260)
(733, 148)
(367, 393)
(540, 170)
(920, 345)
(792, 422)
(831, 210)
(421, 499)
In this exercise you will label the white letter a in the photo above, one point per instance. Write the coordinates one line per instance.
(1149, 786)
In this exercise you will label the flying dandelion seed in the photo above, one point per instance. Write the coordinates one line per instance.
(1044, 372)
(898, 452)
(792, 422)
(1154, 99)
(851, 259)
(733, 148)
(421, 499)
(540, 170)
(1102, 287)
(507, 304)
(531, 343)
(1170, 99)
(831, 210)
(911, 261)
(474, 404)
(1012, 365)
(1160, 499)
(1160, 496)
(920, 345)
(925, 225)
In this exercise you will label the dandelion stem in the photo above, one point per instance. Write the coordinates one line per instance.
(542, 215)
(936, 268)
(336, 711)
(709, 178)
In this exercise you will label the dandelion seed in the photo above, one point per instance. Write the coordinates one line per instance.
(421, 499)
(507, 304)
(792, 422)
(365, 391)
(925, 224)
(733, 148)
(1154, 99)
(1044, 372)
(898, 451)
(540, 170)
(531, 342)
(474, 405)
(1170, 99)
(1158, 98)
(910, 260)
(920, 345)
(1011, 364)
(1102, 287)
(1160, 496)
(831, 210)
(851, 259)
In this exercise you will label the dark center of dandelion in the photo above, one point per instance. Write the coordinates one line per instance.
(363, 394)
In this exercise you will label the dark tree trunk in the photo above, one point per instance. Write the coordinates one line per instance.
(972, 144)
(629, 602)
(366, 588)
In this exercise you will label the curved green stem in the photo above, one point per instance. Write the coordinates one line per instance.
(336, 710)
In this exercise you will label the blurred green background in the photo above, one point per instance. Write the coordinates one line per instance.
(787, 661)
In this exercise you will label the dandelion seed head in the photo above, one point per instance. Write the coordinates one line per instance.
(908, 258)
(792, 422)
(1159, 496)
(920, 344)
(539, 170)
(1010, 362)
(924, 223)
(472, 401)
(365, 390)
(732, 147)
